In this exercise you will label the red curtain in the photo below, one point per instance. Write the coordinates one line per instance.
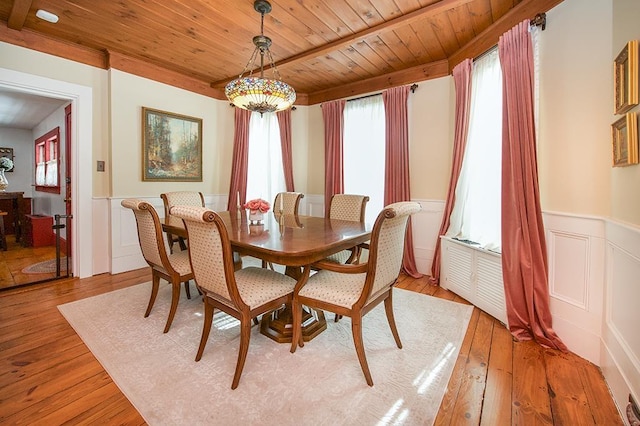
(396, 175)
(333, 156)
(284, 123)
(524, 253)
(462, 81)
(238, 185)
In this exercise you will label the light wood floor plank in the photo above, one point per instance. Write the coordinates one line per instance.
(496, 407)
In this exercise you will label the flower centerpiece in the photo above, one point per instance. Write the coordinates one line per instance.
(257, 208)
(6, 164)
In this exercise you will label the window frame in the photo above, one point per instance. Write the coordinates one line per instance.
(50, 141)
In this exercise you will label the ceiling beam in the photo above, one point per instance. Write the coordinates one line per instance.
(526, 9)
(393, 79)
(154, 72)
(406, 19)
(18, 14)
(40, 43)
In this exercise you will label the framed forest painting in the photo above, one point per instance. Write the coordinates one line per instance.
(171, 147)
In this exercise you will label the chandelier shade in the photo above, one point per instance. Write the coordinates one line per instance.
(260, 94)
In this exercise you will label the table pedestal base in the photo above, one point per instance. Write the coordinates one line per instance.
(277, 325)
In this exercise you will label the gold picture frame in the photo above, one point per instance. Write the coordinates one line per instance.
(624, 133)
(171, 147)
(625, 78)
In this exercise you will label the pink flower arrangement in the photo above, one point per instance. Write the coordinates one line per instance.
(258, 204)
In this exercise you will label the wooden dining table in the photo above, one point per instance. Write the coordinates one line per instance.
(294, 241)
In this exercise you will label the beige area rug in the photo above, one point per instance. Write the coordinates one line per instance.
(321, 384)
(45, 267)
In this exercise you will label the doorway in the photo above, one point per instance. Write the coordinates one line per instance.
(80, 261)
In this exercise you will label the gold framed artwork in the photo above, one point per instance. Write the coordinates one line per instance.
(624, 134)
(171, 147)
(625, 78)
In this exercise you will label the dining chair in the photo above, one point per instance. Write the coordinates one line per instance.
(285, 203)
(182, 198)
(187, 198)
(353, 290)
(348, 207)
(173, 267)
(243, 294)
(288, 202)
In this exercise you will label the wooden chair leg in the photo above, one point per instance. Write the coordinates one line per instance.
(388, 307)
(245, 336)
(187, 289)
(155, 285)
(356, 330)
(175, 298)
(206, 328)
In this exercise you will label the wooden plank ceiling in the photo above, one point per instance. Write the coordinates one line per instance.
(326, 49)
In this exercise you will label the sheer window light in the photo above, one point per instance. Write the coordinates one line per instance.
(265, 172)
(364, 152)
(476, 214)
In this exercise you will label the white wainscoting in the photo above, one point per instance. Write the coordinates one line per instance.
(125, 254)
(101, 238)
(575, 248)
(620, 351)
(425, 226)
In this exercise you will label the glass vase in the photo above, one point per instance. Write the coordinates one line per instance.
(256, 216)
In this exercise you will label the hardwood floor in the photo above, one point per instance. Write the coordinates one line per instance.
(48, 376)
(17, 257)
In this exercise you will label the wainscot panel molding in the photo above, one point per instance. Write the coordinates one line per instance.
(576, 247)
(425, 226)
(100, 236)
(620, 336)
(312, 205)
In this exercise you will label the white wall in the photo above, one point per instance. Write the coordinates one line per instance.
(21, 178)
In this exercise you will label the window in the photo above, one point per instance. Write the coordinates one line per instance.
(476, 214)
(364, 152)
(47, 158)
(265, 176)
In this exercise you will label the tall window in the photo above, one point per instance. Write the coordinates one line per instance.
(476, 213)
(265, 173)
(364, 152)
(47, 157)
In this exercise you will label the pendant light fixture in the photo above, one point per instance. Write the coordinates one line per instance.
(260, 94)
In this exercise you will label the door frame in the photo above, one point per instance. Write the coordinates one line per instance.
(81, 98)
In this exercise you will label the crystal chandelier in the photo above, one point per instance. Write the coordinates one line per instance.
(260, 94)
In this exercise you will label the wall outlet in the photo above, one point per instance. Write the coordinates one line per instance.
(100, 166)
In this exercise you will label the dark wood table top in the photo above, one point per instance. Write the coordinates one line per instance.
(293, 240)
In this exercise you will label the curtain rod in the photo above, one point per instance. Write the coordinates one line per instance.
(413, 88)
(540, 20)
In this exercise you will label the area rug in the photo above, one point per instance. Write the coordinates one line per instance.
(320, 384)
(45, 267)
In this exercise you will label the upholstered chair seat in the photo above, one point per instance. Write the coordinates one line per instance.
(243, 294)
(347, 207)
(354, 289)
(173, 267)
(187, 198)
(180, 198)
